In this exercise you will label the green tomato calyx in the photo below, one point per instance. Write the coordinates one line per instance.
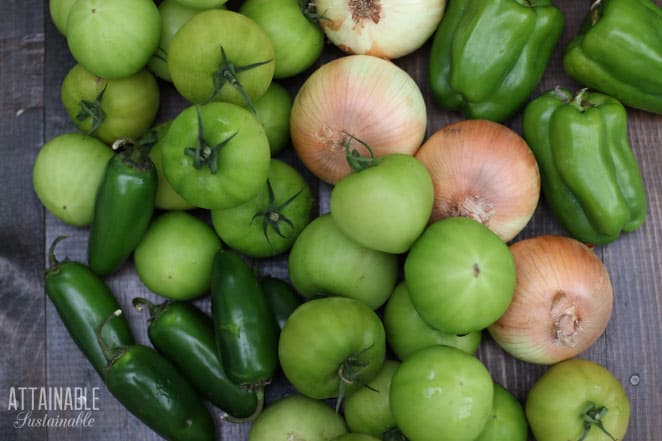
(204, 154)
(92, 110)
(394, 434)
(354, 158)
(228, 72)
(349, 372)
(592, 416)
(273, 216)
(309, 10)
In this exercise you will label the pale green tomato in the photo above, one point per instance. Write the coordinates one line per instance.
(407, 332)
(507, 420)
(367, 410)
(174, 258)
(66, 175)
(441, 393)
(325, 261)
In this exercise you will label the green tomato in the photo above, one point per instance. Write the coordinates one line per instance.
(59, 12)
(578, 399)
(507, 420)
(216, 155)
(174, 14)
(110, 109)
(367, 410)
(66, 175)
(356, 437)
(387, 206)
(113, 39)
(331, 345)
(202, 4)
(174, 258)
(268, 224)
(273, 111)
(441, 393)
(460, 275)
(297, 417)
(407, 332)
(166, 197)
(221, 55)
(325, 261)
(297, 39)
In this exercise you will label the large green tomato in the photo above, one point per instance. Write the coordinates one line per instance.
(331, 345)
(66, 175)
(386, 206)
(441, 393)
(297, 38)
(113, 39)
(174, 258)
(507, 420)
(269, 223)
(59, 12)
(216, 155)
(325, 261)
(221, 55)
(368, 410)
(460, 275)
(110, 109)
(297, 417)
(407, 332)
(578, 399)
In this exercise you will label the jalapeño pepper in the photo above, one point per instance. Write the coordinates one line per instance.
(246, 333)
(281, 297)
(83, 301)
(152, 389)
(590, 177)
(123, 207)
(185, 336)
(487, 56)
(619, 52)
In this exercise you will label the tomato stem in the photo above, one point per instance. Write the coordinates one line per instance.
(393, 434)
(309, 10)
(228, 72)
(273, 215)
(592, 416)
(354, 158)
(204, 154)
(349, 372)
(93, 110)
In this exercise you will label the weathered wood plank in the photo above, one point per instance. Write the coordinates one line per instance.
(21, 231)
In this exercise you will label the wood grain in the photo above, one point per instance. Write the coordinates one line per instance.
(37, 351)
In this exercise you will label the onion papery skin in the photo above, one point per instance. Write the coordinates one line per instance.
(382, 28)
(359, 95)
(485, 171)
(562, 302)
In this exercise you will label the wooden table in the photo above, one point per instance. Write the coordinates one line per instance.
(36, 350)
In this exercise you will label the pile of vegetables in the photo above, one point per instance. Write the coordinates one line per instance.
(411, 253)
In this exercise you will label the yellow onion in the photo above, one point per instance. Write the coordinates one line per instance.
(485, 171)
(562, 301)
(355, 97)
(383, 28)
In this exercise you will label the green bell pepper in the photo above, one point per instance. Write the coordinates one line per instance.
(590, 177)
(487, 56)
(619, 52)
